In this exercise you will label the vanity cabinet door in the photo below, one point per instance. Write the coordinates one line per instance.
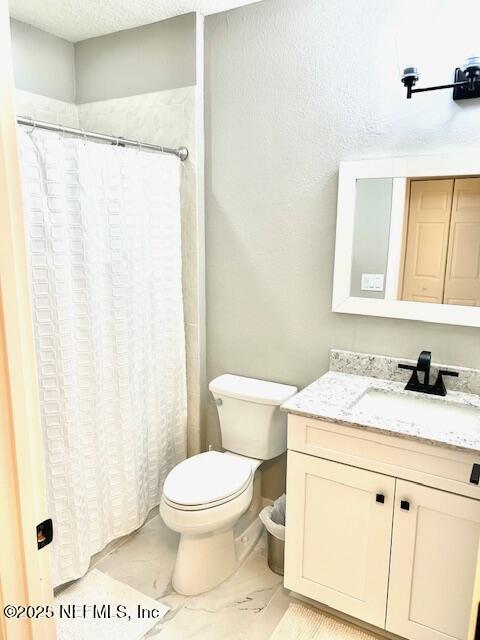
(434, 556)
(338, 535)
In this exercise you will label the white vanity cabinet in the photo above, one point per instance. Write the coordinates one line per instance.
(338, 535)
(391, 543)
(433, 563)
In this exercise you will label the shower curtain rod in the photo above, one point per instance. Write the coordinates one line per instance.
(181, 152)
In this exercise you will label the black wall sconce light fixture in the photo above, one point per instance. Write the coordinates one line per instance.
(465, 86)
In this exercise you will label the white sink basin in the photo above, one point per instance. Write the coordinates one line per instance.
(416, 408)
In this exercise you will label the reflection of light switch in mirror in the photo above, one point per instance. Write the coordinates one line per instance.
(372, 281)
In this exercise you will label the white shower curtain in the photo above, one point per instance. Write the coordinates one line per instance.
(104, 239)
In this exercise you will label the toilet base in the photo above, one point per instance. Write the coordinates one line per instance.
(204, 561)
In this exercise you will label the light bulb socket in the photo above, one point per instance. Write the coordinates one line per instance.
(410, 76)
(471, 67)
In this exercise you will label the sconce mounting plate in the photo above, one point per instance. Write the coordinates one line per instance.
(463, 93)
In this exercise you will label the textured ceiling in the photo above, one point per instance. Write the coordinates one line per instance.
(77, 20)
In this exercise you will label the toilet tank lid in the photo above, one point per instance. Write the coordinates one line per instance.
(252, 390)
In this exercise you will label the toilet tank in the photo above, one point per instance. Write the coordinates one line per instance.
(250, 418)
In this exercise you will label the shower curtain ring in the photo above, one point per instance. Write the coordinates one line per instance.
(139, 146)
(84, 136)
(33, 125)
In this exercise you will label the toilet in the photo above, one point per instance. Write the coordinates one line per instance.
(213, 499)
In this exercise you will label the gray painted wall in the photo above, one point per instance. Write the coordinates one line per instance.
(373, 209)
(281, 112)
(43, 63)
(152, 58)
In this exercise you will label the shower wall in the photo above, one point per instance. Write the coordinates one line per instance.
(161, 114)
(48, 109)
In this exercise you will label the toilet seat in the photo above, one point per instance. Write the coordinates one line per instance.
(207, 480)
(209, 505)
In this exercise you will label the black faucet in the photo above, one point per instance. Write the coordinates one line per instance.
(423, 365)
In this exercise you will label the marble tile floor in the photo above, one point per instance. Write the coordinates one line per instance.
(247, 605)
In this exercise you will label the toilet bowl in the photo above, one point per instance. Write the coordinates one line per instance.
(212, 499)
(203, 498)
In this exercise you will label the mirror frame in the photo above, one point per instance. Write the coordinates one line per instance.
(431, 166)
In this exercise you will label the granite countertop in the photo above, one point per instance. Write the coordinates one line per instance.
(334, 396)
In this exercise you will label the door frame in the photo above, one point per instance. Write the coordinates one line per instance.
(25, 574)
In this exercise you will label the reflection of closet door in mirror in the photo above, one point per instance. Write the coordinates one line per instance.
(427, 240)
(462, 282)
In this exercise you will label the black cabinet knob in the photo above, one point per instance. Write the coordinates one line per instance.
(380, 498)
(475, 475)
(405, 505)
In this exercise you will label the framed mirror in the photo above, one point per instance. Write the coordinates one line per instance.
(408, 239)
